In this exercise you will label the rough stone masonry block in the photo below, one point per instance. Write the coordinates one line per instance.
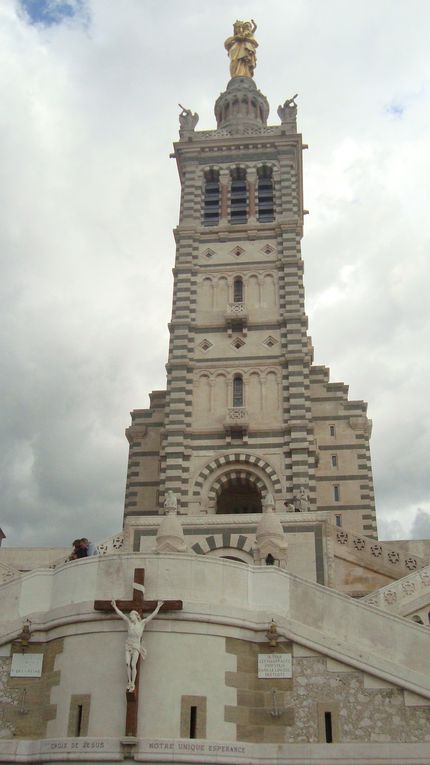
(274, 735)
(247, 663)
(251, 698)
(250, 733)
(254, 700)
(263, 717)
(242, 680)
(238, 715)
(38, 693)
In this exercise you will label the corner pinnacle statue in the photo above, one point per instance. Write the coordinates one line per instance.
(241, 48)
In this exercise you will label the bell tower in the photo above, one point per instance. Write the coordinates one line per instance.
(246, 413)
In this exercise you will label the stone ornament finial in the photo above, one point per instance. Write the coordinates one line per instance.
(270, 546)
(241, 48)
(268, 502)
(187, 120)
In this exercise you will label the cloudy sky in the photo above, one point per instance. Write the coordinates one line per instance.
(89, 197)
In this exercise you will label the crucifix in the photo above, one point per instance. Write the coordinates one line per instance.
(134, 648)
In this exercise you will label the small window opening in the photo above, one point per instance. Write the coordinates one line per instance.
(238, 290)
(270, 561)
(237, 391)
(338, 520)
(79, 715)
(193, 722)
(265, 194)
(328, 728)
(211, 203)
(336, 493)
(238, 196)
(332, 430)
(334, 460)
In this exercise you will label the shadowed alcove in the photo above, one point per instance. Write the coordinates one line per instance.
(239, 495)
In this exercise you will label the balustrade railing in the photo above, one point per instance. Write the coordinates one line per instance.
(236, 309)
(236, 317)
(394, 595)
(237, 414)
(383, 553)
(109, 545)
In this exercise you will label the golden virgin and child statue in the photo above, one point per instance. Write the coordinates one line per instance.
(241, 48)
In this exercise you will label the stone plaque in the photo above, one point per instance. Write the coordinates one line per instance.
(26, 665)
(275, 665)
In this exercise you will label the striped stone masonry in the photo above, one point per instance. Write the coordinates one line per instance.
(300, 430)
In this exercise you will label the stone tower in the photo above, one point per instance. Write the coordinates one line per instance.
(245, 413)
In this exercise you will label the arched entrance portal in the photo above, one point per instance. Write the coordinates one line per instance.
(239, 495)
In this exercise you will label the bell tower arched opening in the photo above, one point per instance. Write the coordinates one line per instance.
(239, 495)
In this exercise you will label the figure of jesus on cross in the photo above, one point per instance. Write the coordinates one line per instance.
(133, 645)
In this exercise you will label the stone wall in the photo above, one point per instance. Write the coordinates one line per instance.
(360, 707)
(25, 702)
(252, 714)
(363, 709)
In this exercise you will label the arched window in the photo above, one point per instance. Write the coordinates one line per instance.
(211, 202)
(265, 194)
(238, 290)
(238, 196)
(237, 390)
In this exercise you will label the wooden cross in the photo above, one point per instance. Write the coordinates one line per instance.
(139, 604)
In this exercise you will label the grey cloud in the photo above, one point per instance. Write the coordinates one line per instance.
(420, 528)
(89, 196)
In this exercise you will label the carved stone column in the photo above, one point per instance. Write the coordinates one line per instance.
(263, 390)
(224, 182)
(251, 178)
(211, 394)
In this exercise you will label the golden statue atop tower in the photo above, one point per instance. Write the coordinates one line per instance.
(241, 48)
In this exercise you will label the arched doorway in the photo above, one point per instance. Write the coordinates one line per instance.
(239, 495)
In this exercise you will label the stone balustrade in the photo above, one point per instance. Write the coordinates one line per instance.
(236, 421)
(108, 545)
(395, 597)
(236, 317)
(236, 309)
(207, 135)
(237, 414)
(380, 555)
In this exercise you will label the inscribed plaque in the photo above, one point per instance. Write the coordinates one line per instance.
(275, 665)
(26, 665)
